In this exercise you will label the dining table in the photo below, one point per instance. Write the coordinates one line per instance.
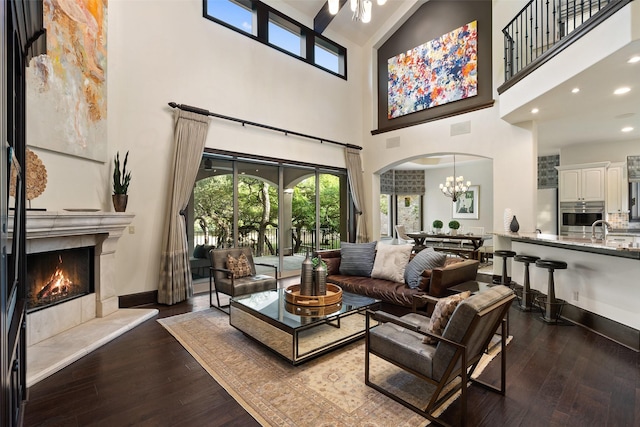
(465, 245)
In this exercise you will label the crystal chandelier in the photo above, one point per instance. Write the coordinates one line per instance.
(454, 185)
(361, 8)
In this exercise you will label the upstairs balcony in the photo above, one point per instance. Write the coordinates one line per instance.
(544, 28)
(563, 59)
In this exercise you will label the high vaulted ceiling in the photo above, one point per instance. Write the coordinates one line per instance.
(592, 115)
(342, 23)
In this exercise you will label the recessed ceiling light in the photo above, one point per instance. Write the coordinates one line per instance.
(535, 111)
(634, 59)
(621, 90)
(575, 90)
(627, 129)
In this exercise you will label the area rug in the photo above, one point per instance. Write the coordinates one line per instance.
(326, 391)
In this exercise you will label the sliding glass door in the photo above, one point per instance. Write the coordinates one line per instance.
(280, 210)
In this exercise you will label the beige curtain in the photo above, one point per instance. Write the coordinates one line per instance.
(356, 182)
(175, 273)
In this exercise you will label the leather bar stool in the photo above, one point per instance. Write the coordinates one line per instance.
(504, 255)
(552, 306)
(525, 303)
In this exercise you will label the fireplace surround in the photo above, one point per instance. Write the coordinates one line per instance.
(63, 231)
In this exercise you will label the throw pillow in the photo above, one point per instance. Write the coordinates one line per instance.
(201, 251)
(442, 313)
(198, 251)
(333, 265)
(356, 259)
(240, 267)
(391, 261)
(426, 259)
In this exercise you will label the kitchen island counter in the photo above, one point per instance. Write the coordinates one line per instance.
(583, 244)
(601, 284)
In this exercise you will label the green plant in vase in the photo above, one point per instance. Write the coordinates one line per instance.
(121, 181)
(454, 226)
(437, 226)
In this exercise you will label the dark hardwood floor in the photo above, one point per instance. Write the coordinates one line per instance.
(556, 376)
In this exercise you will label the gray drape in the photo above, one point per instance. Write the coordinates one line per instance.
(190, 135)
(356, 182)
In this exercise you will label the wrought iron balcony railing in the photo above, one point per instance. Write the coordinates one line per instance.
(542, 26)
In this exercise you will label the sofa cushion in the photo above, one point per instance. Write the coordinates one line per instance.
(442, 313)
(426, 259)
(425, 276)
(391, 262)
(357, 258)
(394, 293)
(240, 266)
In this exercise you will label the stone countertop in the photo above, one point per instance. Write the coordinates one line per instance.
(575, 243)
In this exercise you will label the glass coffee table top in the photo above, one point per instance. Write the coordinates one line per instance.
(273, 305)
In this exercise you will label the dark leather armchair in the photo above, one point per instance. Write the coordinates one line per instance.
(223, 280)
(457, 352)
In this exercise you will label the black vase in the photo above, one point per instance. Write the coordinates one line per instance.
(514, 226)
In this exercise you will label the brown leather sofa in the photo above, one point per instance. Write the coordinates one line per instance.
(398, 295)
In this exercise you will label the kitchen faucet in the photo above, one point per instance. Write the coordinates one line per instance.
(605, 226)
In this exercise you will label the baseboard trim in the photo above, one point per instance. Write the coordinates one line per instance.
(615, 331)
(136, 300)
(622, 334)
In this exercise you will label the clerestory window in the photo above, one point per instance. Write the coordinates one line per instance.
(269, 26)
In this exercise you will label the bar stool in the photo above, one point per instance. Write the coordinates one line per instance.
(504, 254)
(525, 303)
(552, 306)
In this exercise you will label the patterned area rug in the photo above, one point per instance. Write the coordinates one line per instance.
(326, 391)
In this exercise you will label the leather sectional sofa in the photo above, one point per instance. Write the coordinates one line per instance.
(397, 296)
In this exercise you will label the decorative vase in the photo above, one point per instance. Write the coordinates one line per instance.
(120, 202)
(437, 230)
(514, 226)
(306, 277)
(320, 276)
(454, 231)
(508, 217)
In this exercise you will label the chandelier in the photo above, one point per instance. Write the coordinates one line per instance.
(454, 185)
(361, 8)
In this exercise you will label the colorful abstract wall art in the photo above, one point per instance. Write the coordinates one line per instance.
(437, 72)
(66, 88)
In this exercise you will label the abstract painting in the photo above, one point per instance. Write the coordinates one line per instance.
(66, 88)
(437, 72)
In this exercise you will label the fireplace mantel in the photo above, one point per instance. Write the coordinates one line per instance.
(42, 224)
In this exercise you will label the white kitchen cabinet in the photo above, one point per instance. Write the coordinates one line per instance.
(617, 188)
(578, 184)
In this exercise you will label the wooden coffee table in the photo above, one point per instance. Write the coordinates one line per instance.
(300, 333)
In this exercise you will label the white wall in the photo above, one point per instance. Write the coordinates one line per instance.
(599, 152)
(437, 206)
(166, 51)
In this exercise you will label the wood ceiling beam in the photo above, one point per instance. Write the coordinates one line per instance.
(324, 18)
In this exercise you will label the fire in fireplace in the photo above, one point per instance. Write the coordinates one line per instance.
(57, 276)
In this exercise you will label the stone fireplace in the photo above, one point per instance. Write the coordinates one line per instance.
(51, 236)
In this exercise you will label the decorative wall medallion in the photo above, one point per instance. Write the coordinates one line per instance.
(36, 177)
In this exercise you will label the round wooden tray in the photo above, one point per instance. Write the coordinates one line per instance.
(320, 311)
(333, 296)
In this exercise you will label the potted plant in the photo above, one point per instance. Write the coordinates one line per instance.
(121, 180)
(453, 226)
(437, 226)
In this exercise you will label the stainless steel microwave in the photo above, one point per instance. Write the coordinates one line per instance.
(576, 218)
